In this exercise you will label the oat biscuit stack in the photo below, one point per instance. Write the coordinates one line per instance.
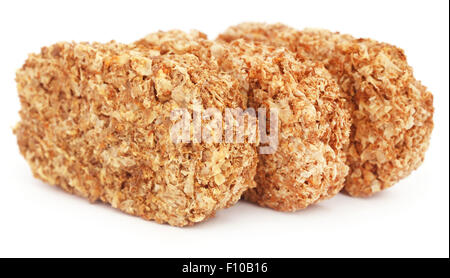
(97, 119)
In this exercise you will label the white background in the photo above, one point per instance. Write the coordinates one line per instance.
(411, 219)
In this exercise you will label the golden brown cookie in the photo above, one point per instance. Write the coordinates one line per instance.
(96, 121)
(391, 111)
(314, 127)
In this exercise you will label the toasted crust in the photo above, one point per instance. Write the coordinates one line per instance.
(391, 111)
(95, 120)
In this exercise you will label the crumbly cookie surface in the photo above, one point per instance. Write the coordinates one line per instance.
(95, 120)
(391, 111)
(314, 126)
(314, 123)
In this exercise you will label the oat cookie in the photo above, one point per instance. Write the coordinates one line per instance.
(96, 119)
(391, 111)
